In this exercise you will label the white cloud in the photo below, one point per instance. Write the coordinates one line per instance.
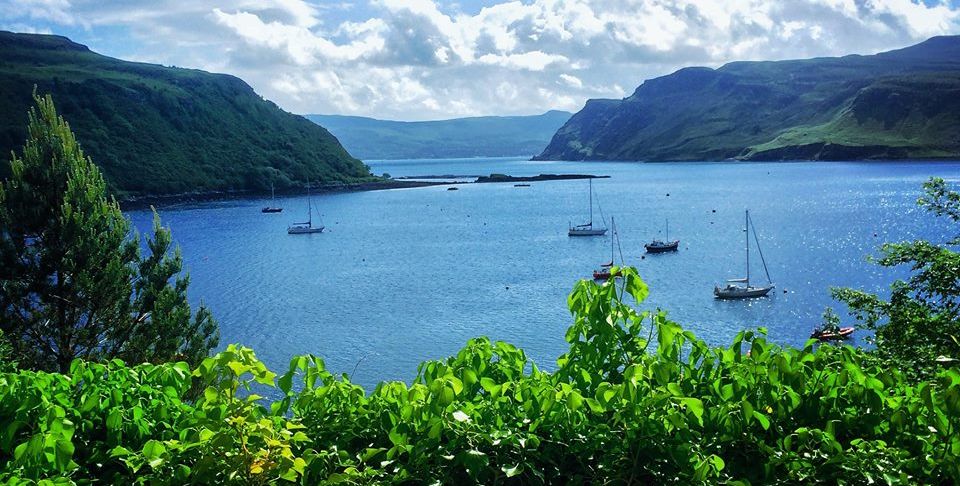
(416, 59)
(571, 81)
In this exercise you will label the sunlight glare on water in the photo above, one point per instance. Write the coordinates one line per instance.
(408, 275)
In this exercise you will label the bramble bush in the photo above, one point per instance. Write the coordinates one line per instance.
(636, 399)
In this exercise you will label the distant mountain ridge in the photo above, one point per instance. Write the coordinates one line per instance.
(487, 136)
(156, 130)
(893, 105)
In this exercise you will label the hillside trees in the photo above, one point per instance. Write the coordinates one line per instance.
(72, 280)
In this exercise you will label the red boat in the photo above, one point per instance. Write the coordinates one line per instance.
(822, 335)
(604, 272)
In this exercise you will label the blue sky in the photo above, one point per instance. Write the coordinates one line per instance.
(429, 59)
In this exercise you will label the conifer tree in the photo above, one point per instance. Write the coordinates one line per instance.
(72, 283)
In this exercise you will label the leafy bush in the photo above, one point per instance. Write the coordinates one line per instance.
(635, 399)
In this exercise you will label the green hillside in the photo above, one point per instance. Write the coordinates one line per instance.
(159, 130)
(487, 136)
(897, 104)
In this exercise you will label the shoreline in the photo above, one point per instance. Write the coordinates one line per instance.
(406, 182)
(166, 200)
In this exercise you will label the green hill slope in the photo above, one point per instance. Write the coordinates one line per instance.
(488, 136)
(158, 130)
(897, 104)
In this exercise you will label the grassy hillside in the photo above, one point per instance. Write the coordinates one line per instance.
(489, 136)
(898, 104)
(160, 130)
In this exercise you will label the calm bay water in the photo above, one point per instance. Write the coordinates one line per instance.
(408, 275)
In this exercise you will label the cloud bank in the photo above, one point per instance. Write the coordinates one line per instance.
(423, 59)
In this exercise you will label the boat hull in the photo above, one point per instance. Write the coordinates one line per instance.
(271, 210)
(293, 230)
(737, 292)
(586, 232)
(844, 333)
(604, 274)
(664, 248)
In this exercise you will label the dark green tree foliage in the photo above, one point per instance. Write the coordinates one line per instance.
(72, 281)
(635, 400)
(918, 327)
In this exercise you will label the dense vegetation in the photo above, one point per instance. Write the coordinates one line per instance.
(486, 136)
(635, 400)
(160, 130)
(73, 283)
(897, 104)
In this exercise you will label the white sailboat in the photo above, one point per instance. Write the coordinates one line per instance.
(306, 227)
(587, 229)
(740, 288)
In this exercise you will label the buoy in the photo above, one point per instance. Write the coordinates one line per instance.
(507, 287)
(714, 210)
(643, 257)
(784, 290)
(668, 194)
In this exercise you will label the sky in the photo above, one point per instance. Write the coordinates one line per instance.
(434, 59)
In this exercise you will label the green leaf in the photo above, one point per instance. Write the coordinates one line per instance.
(512, 471)
(153, 449)
(764, 421)
(574, 401)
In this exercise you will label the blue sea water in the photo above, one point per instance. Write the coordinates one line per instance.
(407, 275)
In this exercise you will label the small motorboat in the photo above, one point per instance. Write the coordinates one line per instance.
(824, 335)
(453, 188)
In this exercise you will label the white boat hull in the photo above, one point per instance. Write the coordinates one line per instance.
(297, 230)
(741, 292)
(586, 232)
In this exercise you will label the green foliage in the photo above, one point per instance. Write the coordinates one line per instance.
(484, 136)
(615, 410)
(918, 327)
(73, 284)
(897, 104)
(160, 130)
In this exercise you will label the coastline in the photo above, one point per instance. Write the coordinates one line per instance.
(410, 182)
(143, 202)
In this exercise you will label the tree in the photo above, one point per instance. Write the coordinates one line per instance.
(919, 325)
(73, 283)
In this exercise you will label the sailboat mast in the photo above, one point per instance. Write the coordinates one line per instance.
(613, 231)
(753, 227)
(746, 232)
(272, 194)
(309, 207)
(591, 202)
